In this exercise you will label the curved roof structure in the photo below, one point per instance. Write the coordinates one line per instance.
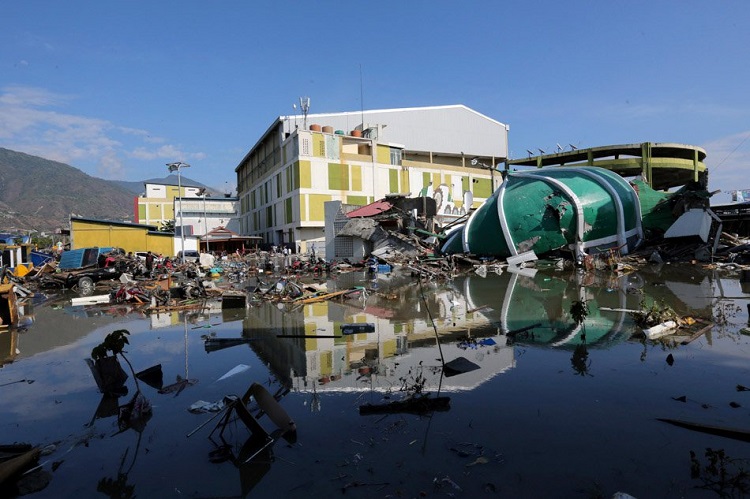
(662, 165)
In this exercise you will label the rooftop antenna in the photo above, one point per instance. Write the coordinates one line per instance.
(541, 150)
(572, 147)
(530, 152)
(559, 148)
(362, 98)
(294, 106)
(304, 104)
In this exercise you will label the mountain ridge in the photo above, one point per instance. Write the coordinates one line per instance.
(38, 194)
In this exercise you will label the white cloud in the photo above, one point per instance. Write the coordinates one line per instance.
(110, 166)
(31, 96)
(163, 152)
(29, 123)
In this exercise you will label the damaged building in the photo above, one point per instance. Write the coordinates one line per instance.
(394, 225)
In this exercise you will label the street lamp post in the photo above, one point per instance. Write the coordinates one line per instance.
(204, 192)
(172, 168)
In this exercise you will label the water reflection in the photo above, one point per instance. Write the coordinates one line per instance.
(482, 319)
(518, 326)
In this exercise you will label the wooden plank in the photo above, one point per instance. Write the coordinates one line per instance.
(697, 335)
(721, 431)
(88, 300)
(14, 467)
(269, 405)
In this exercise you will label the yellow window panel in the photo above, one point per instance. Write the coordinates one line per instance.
(356, 173)
(305, 175)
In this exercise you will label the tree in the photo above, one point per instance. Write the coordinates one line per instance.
(167, 226)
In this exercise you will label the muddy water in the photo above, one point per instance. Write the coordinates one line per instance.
(539, 406)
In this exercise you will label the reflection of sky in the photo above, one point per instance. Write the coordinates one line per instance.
(64, 387)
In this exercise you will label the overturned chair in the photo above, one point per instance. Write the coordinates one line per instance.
(267, 404)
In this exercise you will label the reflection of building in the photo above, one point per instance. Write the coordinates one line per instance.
(479, 319)
(359, 157)
(371, 361)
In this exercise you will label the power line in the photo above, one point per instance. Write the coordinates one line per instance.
(731, 152)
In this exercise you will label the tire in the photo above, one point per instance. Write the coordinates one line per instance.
(85, 286)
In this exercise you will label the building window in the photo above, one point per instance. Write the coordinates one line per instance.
(320, 146)
(288, 213)
(338, 177)
(395, 156)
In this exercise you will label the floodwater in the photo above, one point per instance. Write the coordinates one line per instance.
(549, 410)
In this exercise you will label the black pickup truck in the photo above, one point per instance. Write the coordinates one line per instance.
(81, 269)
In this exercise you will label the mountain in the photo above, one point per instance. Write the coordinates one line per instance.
(39, 194)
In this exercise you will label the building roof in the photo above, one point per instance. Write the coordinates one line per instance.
(370, 210)
(113, 222)
(183, 182)
(223, 234)
(449, 129)
(444, 129)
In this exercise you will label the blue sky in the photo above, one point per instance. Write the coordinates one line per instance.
(118, 89)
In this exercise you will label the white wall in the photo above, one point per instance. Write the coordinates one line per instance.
(191, 243)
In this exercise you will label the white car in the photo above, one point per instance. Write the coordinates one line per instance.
(190, 256)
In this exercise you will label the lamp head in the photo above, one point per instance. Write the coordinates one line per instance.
(176, 166)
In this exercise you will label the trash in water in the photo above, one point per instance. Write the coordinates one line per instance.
(459, 365)
(235, 370)
(202, 406)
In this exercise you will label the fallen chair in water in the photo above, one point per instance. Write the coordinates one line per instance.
(267, 404)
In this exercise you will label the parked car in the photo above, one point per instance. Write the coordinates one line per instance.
(189, 256)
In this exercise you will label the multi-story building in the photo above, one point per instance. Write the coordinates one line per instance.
(301, 162)
(156, 205)
(192, 209)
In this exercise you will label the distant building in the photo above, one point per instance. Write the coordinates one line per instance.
(162, 203)
(156, 205)
(358, 157)
(200, 216)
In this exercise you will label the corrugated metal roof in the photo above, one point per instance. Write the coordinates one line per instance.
(370, 210)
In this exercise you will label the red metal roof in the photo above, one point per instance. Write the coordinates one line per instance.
(371, 209)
